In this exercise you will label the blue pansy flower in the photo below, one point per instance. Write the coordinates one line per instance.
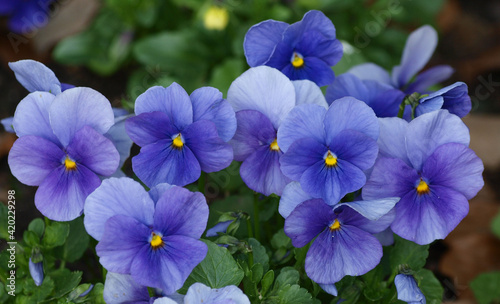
(343, 235)
(454, 98)
(153, 237)
(61, 148)
(304, 50)
(180, 135)
(119, 289)
(428, 164)
(25, 15)
(327, 150)
(262, 97)
(408, 290)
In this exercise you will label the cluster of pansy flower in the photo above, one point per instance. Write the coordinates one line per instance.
(349, 169)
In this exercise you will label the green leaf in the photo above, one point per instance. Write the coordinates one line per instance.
(280, 240)
(43, 291)
(485, 287)
(37, 226)
(55, 234)
(407, 252)
(287, 276)
(259, 253)
(495, 225)
(95, 295)
(267, 281)
(77, 241)
(65, 281)
(430, 286)
(31, 238)
(217, 270)
(294, 294)
(257, 272)
(75, 49)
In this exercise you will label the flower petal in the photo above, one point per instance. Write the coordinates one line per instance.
(418, 50)
(304, 121)
(355, 147)
(122, 240)
(172, 100)
(429, 131)
(168, 267)
(430, 77)
(117, 134)
(181, 212)
(350, 113)
(371, 71)
(307, 220)
(254, 130)
(32, 116)
(372, 209)
(94, 151)
(75, 108)
(161, 163)
(261, 172)
(391, 141)
(212, 153)
(62, 194)
(307, 92)
(35, 76)
(148, 128)
(312, 21)
(314, 69)
(209, 105)
(199, 293)
(301, 155)
(408, 290)
(457, 167)
(121, 288)
(292, 196)
(32, 159)
(261, 39)
(117, 196)
(263, 89)
(347, 251)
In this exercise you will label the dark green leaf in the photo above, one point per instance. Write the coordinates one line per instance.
(31, 238)
(77, 241)
(257, 273)
(3, 222)
(407, 252)
(55, 234)
(267, 281)
(217, 270)
(37, 226)
(294, 294)
(287, 276)
(259, 253)
(280, 240)
(485, 287)
(65, 281)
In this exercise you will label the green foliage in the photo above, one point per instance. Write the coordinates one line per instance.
(485, 287)
(408, 253)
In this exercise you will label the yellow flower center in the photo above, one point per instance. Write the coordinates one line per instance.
(69, 164)
(156, 241)
(177, 142)
(335, 225)
(297, 60)
(274, 145)
(216, 18)
(422, 187)
(330, 160)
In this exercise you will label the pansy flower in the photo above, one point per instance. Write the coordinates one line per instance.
(262, 97)
(327, 150)
(454, 98)
(154, 237)
(428, 164)
(343, 235)
(408, 290)
(24, 16)
(180, 135)
(61, 148)
(304, 50)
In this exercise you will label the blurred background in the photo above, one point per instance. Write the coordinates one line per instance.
(123, 47)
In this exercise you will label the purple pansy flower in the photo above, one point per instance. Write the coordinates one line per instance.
(61, 148)
(180, 135)
(262, 97)
(327, 150)
(304, 50)
(153, 237)
(454, 98)
(344, 243)
(27, 15)
(408, 290)
(428, 164)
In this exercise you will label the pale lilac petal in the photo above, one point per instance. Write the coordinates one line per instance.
(157, 191)
(199, 293)
(117, 196)
(62, 194)
(32, 116)
(292, 196)
(120, 139)
(172, 100)
(371, 71)
(408, 290)
(32, 159)
(261, 39)
(121, 288)
(35, 76)
(429, 131)
(78, 107)
(373, 209)
(181, 212)
(304, 121)
(7, 124)
(307, 92)
(430, 77)
(263, 89)
(329, 288)
(419, 48)
(392, 141)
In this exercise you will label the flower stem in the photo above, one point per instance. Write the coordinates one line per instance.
(256, 216)
(249, 228)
